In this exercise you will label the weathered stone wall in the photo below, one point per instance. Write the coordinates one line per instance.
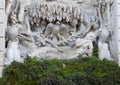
(2, 34)
(117, 19)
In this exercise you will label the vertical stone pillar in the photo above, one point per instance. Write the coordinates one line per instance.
(117, 7)
(2, 34)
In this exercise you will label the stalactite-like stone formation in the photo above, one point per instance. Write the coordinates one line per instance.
(54, 11)
(62, 29)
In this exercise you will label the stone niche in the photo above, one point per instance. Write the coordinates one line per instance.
(62, 29)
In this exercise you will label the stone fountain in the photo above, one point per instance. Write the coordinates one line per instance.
(62, 29)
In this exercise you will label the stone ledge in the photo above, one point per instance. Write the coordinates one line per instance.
(1, 36)
(118, 3)
(1, 22)
(2, 8)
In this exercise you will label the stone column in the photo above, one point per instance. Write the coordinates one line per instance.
(117, 7)
(2, 34)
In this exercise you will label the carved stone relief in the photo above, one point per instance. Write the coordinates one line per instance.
(62, 29)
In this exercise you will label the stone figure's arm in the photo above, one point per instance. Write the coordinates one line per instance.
(8, 6)
(24, 37)
(91, 45)
(27, 23)
(50, 42)
(21, 13)
(108, 9)
(13, 17)
(64, 31)
(99, 11)
(49, 30)
(80, 42)
(90, 48)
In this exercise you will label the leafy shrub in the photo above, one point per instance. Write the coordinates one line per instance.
(95, 49)
(82, 71)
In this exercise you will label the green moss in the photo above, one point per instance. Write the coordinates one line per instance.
(82, 71)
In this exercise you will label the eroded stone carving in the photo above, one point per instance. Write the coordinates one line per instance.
(12, 51)
(8, 6)
(85, 45)
(103, 45)
(60, 29)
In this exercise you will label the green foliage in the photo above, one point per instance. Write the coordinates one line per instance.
(95, 50)
(82, 71)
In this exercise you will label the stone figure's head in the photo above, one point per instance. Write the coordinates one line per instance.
(17, 26)
(57, 23)
(79, 42)
(91, 36)
(13, 32)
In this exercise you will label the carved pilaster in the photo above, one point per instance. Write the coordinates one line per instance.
(118, 30)
(2, 34)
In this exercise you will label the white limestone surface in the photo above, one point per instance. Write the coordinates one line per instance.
(2, 34)
(118, 30)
